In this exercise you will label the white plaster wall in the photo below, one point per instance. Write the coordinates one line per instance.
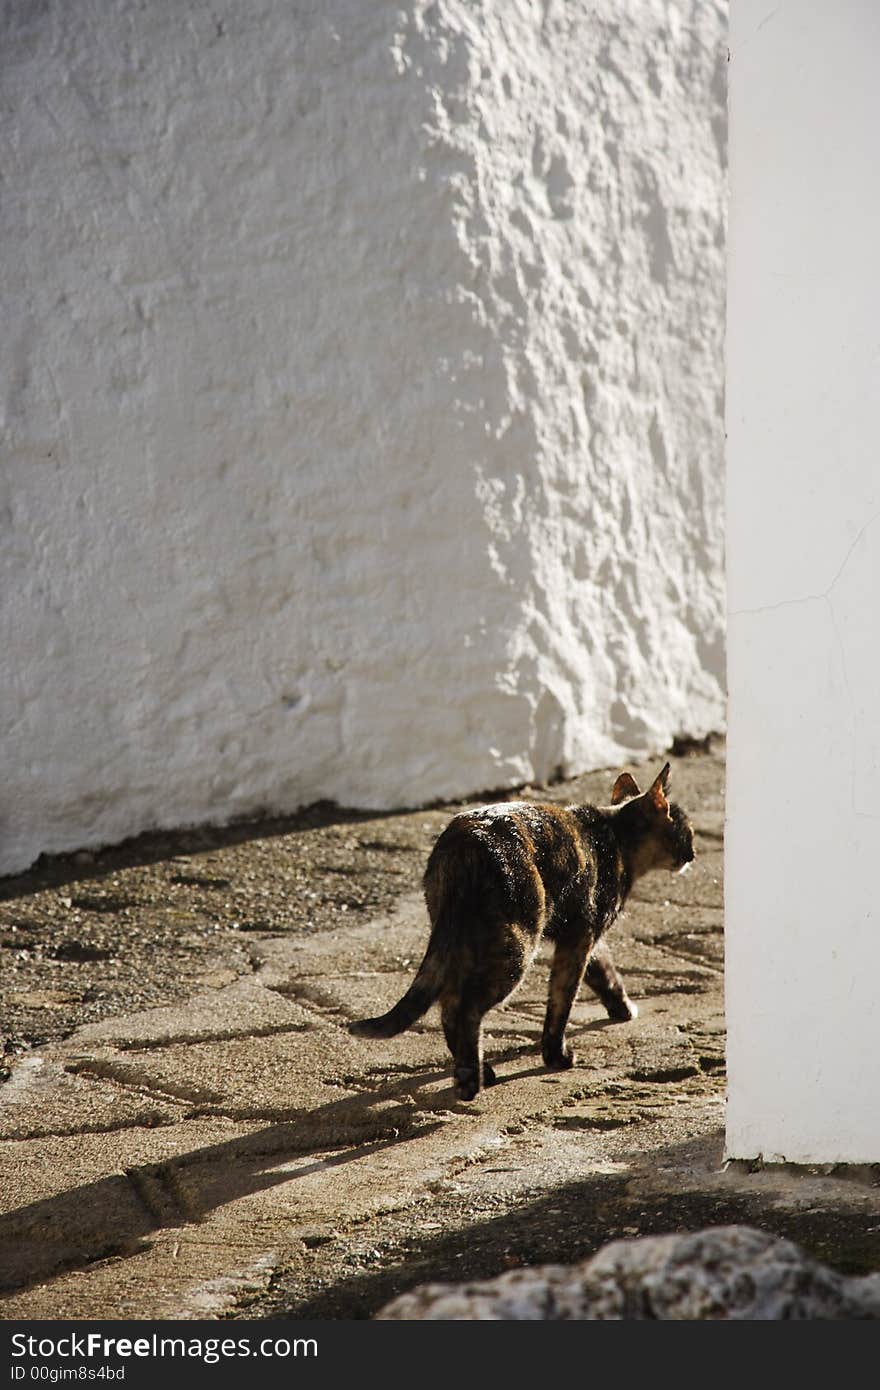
(803, 829)
(361, 378)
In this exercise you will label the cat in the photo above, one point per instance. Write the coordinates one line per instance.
(500, 878)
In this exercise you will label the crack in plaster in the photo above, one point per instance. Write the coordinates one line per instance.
(812, 598)
(826, 597)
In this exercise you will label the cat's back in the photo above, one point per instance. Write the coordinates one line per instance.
(508, 842)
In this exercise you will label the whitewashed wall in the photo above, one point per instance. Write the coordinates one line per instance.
(361, 380)
(803, 833)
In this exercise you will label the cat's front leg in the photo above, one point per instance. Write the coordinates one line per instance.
(602, 977)
(569, 960)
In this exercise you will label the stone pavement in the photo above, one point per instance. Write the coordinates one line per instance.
(240, 1154)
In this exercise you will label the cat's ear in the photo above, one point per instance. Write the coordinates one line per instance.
(624, 788)
(656, 793)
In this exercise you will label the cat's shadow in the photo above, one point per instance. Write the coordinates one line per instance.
(116, 1216)
(539, 1069)
(500, 1054)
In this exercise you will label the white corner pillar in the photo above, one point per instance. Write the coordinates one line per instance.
(803, 538)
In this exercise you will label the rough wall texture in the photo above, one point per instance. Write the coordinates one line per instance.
(362, 390)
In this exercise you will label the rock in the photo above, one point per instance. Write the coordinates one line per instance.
(726, 1272)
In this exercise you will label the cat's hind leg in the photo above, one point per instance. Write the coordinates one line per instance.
(603, 978)
(449, 1017)
(484, 985)
(468, 1066)
(463, 1028)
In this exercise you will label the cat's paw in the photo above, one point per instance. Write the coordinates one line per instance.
(559, 1058)
(622, 1010)
(489, 1077)
(467, 1084)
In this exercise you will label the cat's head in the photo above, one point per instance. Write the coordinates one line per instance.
(660, 828)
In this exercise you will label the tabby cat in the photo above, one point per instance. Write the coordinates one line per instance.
(501, 877)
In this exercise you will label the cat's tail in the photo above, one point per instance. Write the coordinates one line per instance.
(421, 994)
